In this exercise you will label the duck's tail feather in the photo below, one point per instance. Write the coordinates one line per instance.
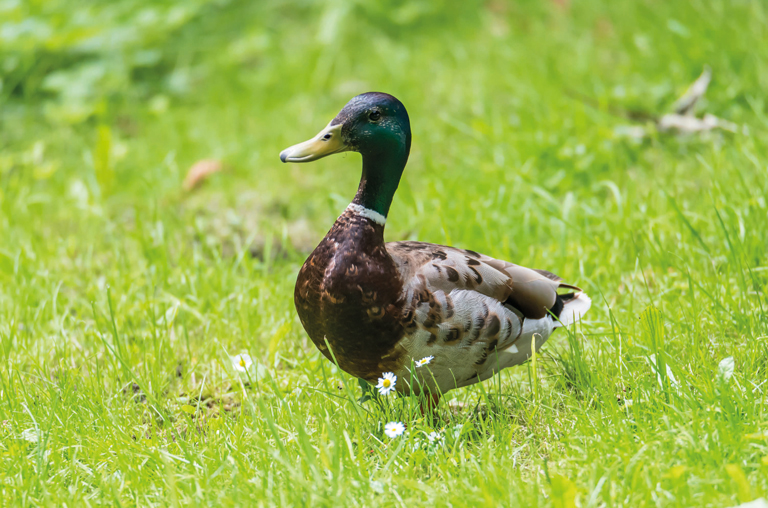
(574, 306)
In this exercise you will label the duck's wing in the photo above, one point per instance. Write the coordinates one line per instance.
(533, 293)
(466, 309)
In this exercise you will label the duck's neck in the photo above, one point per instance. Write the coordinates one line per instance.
(381, 176)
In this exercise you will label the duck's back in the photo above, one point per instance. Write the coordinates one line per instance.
(474, 314)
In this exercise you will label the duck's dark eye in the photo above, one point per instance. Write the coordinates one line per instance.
(374, 116)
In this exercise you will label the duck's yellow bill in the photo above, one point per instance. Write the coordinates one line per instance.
(327, 142)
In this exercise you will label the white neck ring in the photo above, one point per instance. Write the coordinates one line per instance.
(367, 213)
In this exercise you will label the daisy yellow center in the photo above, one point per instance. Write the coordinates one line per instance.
(387, 383)
(242, 362)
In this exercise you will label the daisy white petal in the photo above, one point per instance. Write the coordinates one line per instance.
(387, 383)
(434, 437)
(424, 361)
(242, 362)
(394, 429)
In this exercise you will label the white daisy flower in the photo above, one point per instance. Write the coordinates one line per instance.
(394, 429)
(434, 437)
(242, 362)
(424, 361)
(387, 383)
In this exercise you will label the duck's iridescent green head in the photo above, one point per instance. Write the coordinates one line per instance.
(371, 123)
(377, 126)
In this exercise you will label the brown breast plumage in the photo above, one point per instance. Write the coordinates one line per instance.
(349, 293)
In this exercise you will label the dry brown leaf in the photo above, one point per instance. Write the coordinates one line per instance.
(683, 119)
(686, 124)
(200, 171)
(684, 105)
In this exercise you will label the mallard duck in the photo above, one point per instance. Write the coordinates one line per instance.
(437, 317)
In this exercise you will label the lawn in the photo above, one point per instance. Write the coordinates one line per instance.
(123, 296)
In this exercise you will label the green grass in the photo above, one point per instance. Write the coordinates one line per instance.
(121, 296)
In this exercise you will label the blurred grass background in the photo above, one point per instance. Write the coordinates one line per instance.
(122, 295)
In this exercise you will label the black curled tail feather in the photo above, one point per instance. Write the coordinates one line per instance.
(560, 302)
(569, 308)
